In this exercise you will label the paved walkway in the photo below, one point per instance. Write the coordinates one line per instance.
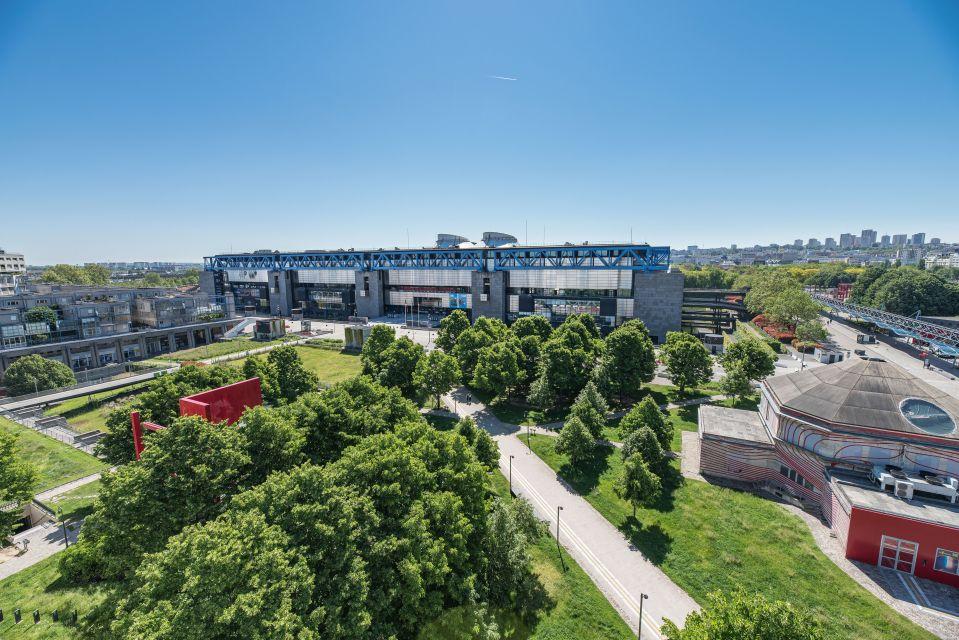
(620, 571)
(49, 494)
(85, 390)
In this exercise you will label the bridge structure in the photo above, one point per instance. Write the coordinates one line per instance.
(713, 309)
(945, 340)
(632, 257)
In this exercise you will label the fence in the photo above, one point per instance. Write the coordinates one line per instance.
(83, 385)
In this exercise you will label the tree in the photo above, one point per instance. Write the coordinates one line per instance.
(906, 290)
(745, 615)
(637, 484)
(564, 369)
(292, 378)
(628, 361)
(736, 383)
(398, 366)
(590, 407)
(380, 338)
(256, 367)
(498, 368)
(235, 577)
(450, 329)
(436, 373)
(752, 356)
(513, 529)
(271, 442)
(486, 449)
(532, 348)
(534, 325)
(643, 442)
(791, 306)
(764, 285)
(648, 414)
(42, 313)
(17, 480)
(92, 274)
(686, 359)
(576, 441)
(32, 373)
(485, 332)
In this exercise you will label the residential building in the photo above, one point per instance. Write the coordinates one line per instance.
(813, 243)
(867, 238)
(847, 241)
(918, 239)
(899, 240)
(12, 268)
(885, 241)
(830, 243)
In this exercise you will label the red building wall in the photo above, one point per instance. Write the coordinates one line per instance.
(866, 529)
(224, 403)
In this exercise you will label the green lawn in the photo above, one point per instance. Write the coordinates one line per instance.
(40, 587)
(708, 538)
(329, 365)
(55, 462)
(75, 504)
(440, 423)
(575, 609)
(87, 413)
(222, 348)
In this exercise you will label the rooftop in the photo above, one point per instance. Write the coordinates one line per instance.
(867, 497)
(733, 423)
(868, 393)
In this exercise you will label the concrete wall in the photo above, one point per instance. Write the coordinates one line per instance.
(495, 304)
(371, 304)
(281, 292)
(658, 301)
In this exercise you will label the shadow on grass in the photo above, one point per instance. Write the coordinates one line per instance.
(585, 478)
(652, 541)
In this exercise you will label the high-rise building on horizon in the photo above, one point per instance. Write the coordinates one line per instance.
(867, 238)
(797, 243)
(884, 241)
(847, 241)
(830, 243)
(918, 239)
(899, 239)
(813, 243)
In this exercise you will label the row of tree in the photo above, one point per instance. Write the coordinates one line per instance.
(91, 274)
(906, 290)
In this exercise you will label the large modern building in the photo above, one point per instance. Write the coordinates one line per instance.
(12, 268)
(871, 446)
(100, 326)
(497, 278)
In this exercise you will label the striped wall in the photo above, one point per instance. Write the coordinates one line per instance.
(737, 461)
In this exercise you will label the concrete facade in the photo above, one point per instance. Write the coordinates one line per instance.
(281, 293)
(658, 301)
(370, 293)
(493, 282)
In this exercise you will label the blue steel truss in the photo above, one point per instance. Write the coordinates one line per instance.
(629, 257)
(944, 339)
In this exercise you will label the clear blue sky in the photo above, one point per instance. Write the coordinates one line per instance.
(173, 130)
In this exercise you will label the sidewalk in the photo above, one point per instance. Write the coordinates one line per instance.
(620, 571)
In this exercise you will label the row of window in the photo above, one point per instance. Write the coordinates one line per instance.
(795, 477)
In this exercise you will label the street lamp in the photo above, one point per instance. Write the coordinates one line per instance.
(528, 448)
(511, 474)
(639, 634)
(558, 509)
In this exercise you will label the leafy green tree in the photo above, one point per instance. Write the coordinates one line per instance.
(257, 367)
(450, 329)
(532, 348)
(486, 449)
(42, 313)
(485, 332)
(643, 442)
(234, 577)
(292, 378)
(565, 366)
(466, 427)
(65, 274)
(830, 275)
(499, 368)
(271, 442)
(347, 412)
(534, 325)
(17, 480)
(637, 484)
(160, 403)
(32, 373)
(752, 356)
(736, 383)
(861, 288)
(97, 275)
(745, 615)
(436, 373)
(576, 441)
(628, 360)
(590, 407)
(648, 414)
(811, 331)
(766, 285)
(398, 366)
(792, 306)
(185, 476)
(513, 528)
(906, 290)
(686, 359)
(380, 338)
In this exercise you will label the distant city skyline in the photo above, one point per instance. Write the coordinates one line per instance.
(169, 131)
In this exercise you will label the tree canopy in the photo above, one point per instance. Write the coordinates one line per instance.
(380, 338)
(637, 484)
(32, 373)
(906, 290)
(499, 368)
(751, 356)
(576, 441)
(687, 361)
(436, 373)
(745, 615)
(42, 313)
(397, 366)
(91, 274)
(17, 480)
(450, 329)
(627, 362)
(647, 414)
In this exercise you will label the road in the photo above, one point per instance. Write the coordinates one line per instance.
(620, 571)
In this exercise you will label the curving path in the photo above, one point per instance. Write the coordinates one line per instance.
(620, 571)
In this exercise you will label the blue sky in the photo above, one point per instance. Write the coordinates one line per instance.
(173, 130)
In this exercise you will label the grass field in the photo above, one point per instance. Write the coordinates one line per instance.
(708, 538)
(222, 348)
(330, 365)
(576, 609)
(40, 587)
(55, 462)
(75, 504)
(90, 412)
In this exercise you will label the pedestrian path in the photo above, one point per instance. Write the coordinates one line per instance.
(620, 571)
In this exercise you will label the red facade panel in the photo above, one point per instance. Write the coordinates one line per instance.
(866, 529)
(224, 403)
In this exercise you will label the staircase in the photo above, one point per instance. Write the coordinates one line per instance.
(238, 329)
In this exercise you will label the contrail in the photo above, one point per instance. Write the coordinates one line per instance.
(503, 78)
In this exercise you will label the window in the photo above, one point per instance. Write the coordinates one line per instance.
(898, 554)
(947, 561)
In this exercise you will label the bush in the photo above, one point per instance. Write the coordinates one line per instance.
(36, 373)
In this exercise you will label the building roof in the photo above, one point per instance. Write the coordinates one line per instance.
(868, 393)
(733, 423)
(875, 500)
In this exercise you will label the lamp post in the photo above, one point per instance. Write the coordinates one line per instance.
(528, 448)
(558, 509)
(639, 634)
(511, 474)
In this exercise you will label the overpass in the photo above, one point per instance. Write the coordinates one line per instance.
(714, 309)
(945, 340)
